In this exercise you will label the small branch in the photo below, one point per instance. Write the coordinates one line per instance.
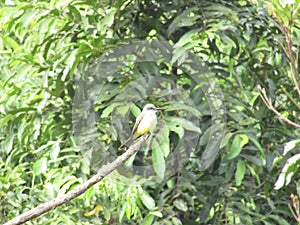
(288, 50)
(269, 105)
(290, 97)
(295, 204)
(79, 190)
(267, 102)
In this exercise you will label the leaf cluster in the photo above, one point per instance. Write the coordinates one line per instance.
(74, 76)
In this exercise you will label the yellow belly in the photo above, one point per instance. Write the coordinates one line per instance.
(146, 125)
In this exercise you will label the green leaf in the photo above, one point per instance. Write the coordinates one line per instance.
(253, 173)
(66, 186)
(162, 141)
(236, 147)
(107, 21)
(226, 140)
(74, 12)
(45, 147)
(211, 151)
(165, 146)
(240, 173)
(258, 146)
(10, 42)
(183, 19)
(122, 213)
(176, 221)
(148, 220)
(130, 161)
(109, 109)
(290, 168)
(146, 199)
(177, 129)
(128, 209)
(156, 213)
(135, 110)
(180, 205)
(54, 150)
(278, 219)
(9, 143)
(178, 106)
(188, 125)
(158, 162)
(208, 133)
(122, 110)
(40, 166)
(84, 166)
(290, 146)
(186, 38)
(107, 213)
(4, 120)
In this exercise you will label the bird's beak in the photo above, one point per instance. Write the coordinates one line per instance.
(158, 108)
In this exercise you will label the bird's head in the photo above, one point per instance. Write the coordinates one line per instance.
(150, 108)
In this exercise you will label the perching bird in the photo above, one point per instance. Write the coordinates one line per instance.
(145, 123)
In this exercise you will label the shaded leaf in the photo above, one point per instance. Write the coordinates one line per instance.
(148, 220)
(158, 162)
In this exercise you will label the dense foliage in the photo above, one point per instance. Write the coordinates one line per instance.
(75, 74)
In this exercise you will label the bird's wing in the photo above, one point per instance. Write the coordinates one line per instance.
(137, 122)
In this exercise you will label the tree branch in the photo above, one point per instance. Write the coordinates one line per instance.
(79, 190)
(267, 102)
(288, 50)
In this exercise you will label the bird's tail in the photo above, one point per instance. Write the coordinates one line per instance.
(126, 144)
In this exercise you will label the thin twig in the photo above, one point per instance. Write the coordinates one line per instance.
(290, 55)
(290, 97)
(288, 50)
(295, 204)
(267, 102)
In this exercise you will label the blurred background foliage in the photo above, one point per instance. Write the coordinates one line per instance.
(73, 73)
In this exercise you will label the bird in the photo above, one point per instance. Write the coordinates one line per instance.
(145, 123)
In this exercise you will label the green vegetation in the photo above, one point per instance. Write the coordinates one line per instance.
(75, 74)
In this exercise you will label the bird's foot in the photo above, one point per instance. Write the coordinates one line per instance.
(146, 136)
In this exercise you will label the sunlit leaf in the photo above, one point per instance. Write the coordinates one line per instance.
(156, 213)
(97, 209)
(181, 205)
(288, 171)
(188, 125)
(109, 109)
(236, 147)
(183, 20)
(177, 129)
(226, 140)
(54, 150)
(176, 221)
(147, 200)
(240, 173)
(290, 146)
(40, 166)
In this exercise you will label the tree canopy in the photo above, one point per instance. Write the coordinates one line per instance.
(76, 74)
